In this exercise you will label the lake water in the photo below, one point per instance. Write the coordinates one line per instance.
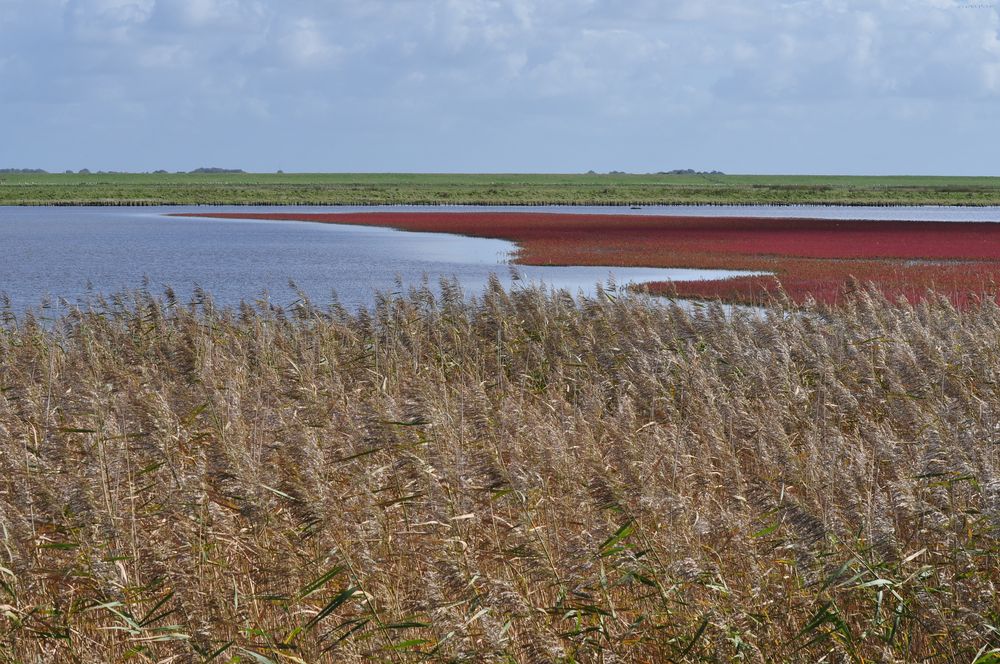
(68, 253)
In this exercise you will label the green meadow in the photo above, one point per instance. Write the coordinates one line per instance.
(489, 189)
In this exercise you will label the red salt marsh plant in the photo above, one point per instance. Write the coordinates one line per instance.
(962, 282)
(810, 257)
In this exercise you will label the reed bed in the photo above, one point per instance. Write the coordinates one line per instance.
(515, 477)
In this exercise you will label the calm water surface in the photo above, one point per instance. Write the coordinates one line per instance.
(68, 253)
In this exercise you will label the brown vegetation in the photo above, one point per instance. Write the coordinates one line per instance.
(520, 478)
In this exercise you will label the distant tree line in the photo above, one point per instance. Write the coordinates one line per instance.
(87, 171)
(689, 171)
(676, 171)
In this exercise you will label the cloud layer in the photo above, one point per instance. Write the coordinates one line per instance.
(515, 85)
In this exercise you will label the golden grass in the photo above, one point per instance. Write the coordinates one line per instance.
(521, 478)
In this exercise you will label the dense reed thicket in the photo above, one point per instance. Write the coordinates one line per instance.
(521, 477)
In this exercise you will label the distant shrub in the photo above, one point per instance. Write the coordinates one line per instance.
(216, 171)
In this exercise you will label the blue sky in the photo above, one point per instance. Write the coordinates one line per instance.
(807, 86)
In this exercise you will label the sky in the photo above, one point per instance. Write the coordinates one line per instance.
(741, 86)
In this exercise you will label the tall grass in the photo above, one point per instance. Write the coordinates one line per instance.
(520, 477)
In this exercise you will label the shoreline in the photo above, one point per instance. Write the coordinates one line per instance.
(147, 204)
(805, 258)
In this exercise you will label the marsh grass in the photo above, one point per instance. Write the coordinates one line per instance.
(518, 477)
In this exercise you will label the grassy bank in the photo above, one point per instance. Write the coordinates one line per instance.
(521, 478)
(370, 189)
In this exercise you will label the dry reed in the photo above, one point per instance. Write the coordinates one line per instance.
(518, 477)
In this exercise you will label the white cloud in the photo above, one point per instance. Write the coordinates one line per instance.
(246, 15)
(991, 77)
(164, 56)
(797, 51)
(108, 20)
(593, 65)
(114, 11)
(204, 12)
(306, 45)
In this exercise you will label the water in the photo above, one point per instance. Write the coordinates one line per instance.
(69, 253)
(72, 252)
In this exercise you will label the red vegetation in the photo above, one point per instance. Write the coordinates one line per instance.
(814, 257)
